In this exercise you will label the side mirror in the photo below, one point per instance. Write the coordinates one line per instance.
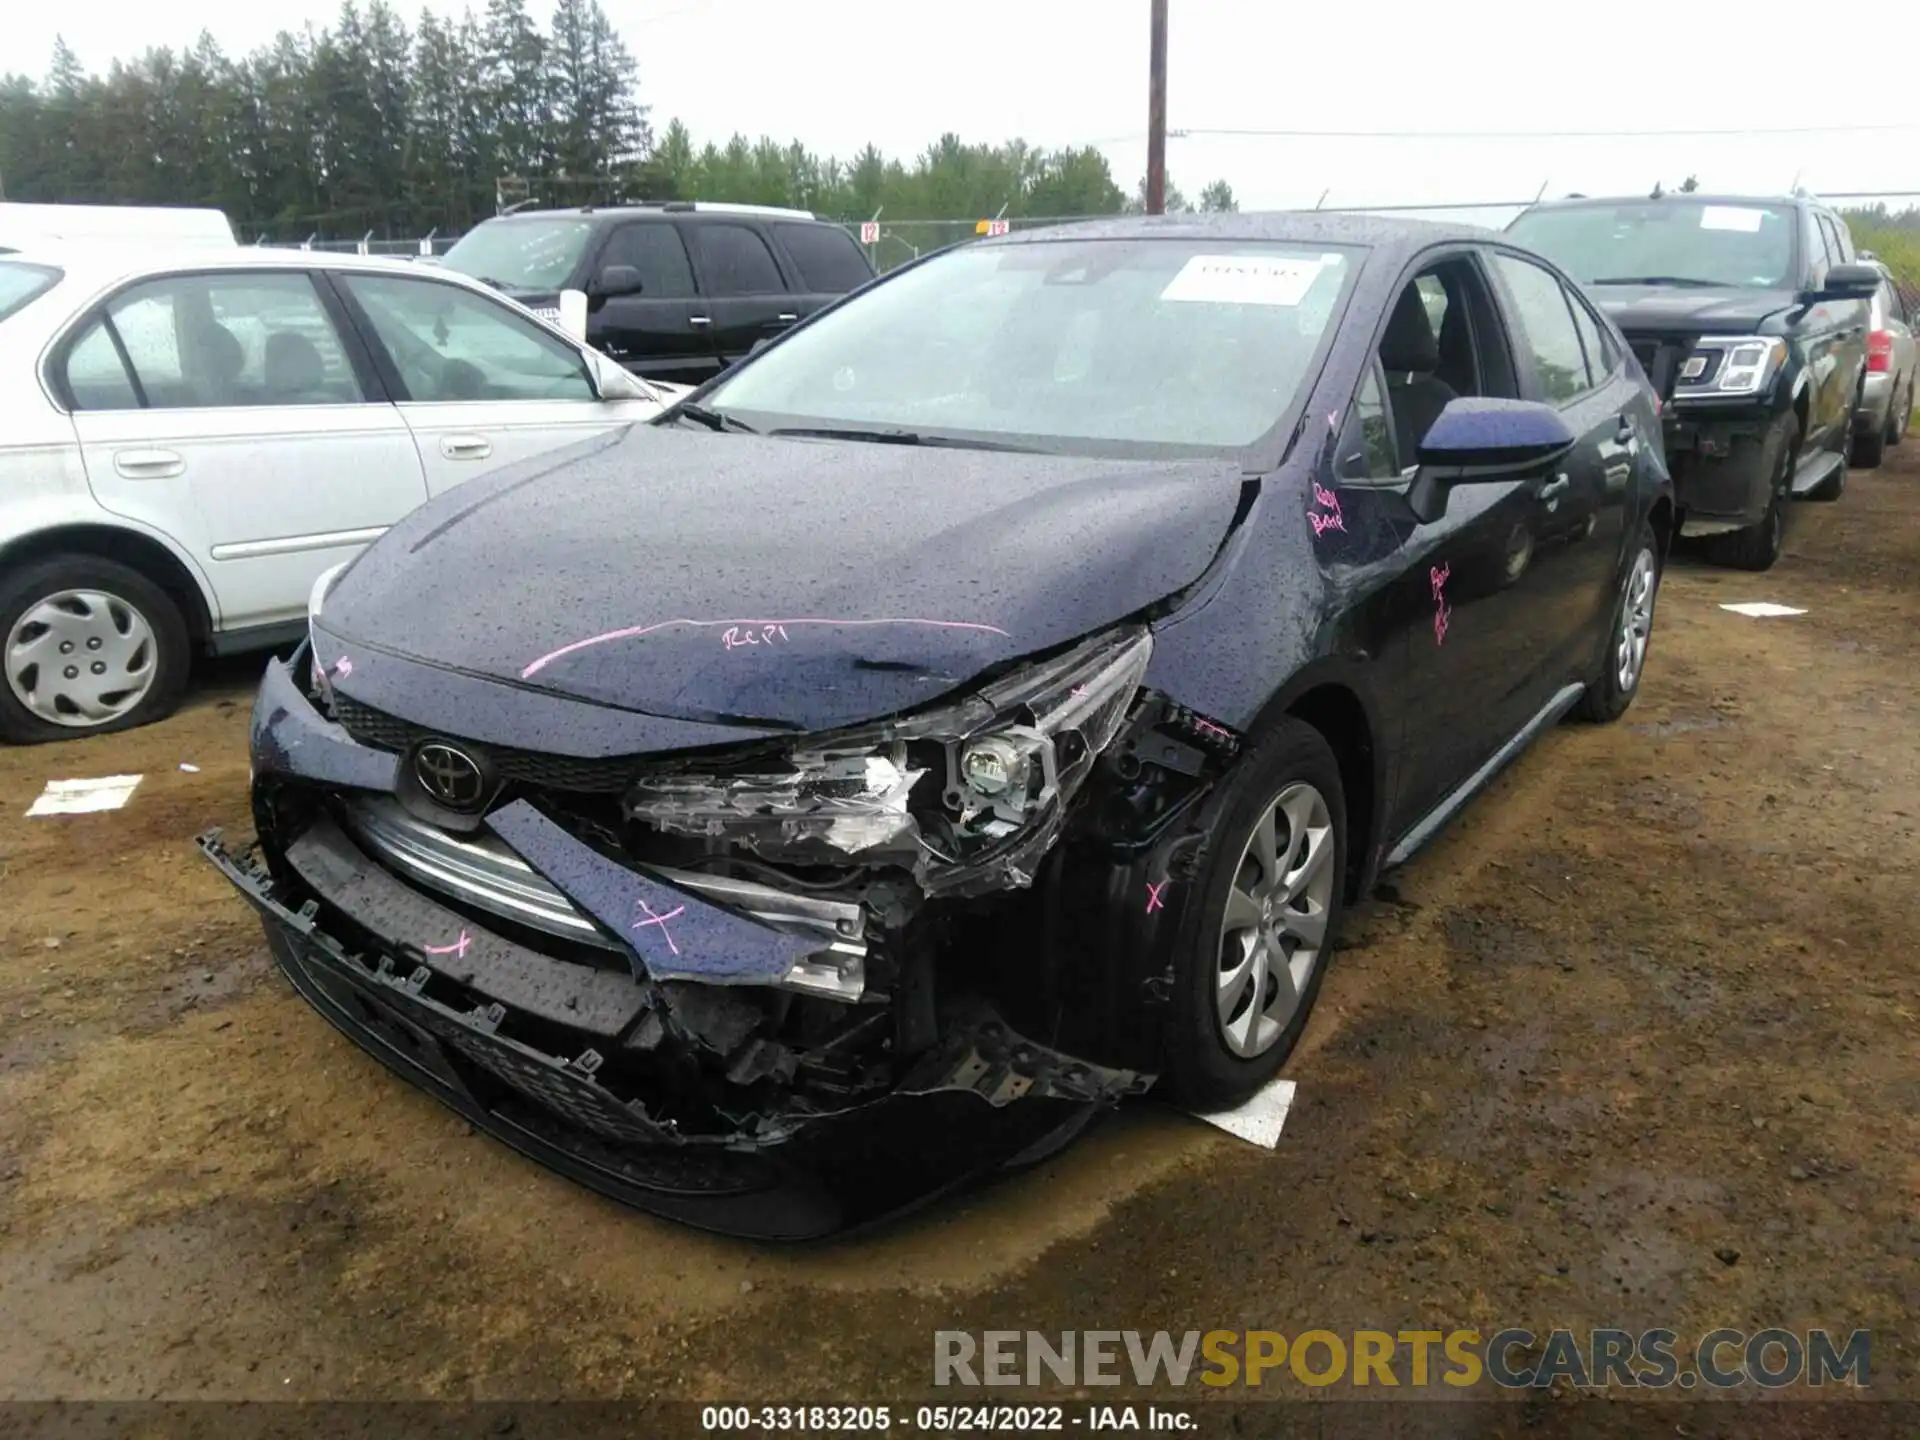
(1477, 441)
(613, 381)
(614, 281)
(1848, 282)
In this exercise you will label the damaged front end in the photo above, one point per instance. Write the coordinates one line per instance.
(778, 988)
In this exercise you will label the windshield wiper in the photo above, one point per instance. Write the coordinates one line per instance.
(1659, 280)
(712, 419)
(900, 437)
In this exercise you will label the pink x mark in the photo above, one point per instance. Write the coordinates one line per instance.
(1153, 896)
(660, 920)
(458, 948)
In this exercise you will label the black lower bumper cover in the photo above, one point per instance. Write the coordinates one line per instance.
(834, 1174)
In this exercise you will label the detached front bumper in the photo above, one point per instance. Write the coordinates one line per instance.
(582, 1058)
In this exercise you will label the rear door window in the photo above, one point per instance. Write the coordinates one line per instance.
(826, 257)
(734, 260)
(209, 341)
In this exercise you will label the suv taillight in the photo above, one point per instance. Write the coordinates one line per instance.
(1880, 352)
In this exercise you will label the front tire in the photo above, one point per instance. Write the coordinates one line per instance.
(1901, 415)
(1630, 636)
(1758, 546)
(1254, 947)
(87, 646)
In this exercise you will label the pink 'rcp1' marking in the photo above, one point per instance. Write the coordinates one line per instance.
(1211, 728)
(633, 632)
(1153, 895)
(1437, 576)
(1324, 522)
(458, 948)
(343, 666)
(660, 920)
(1333, 420)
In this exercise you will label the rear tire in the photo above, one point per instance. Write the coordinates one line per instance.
(1868, 452)
(1259, 928)
(1758, 546)
(1629, 636)
(88, 646)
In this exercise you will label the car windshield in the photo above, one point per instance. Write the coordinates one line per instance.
(20, 283)
(1089, 346)
(1666, 242)
(535, 253)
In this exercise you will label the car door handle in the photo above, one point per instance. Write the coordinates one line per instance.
(148, 464)
(1555, 488)
(699, 320)
(786, 319)
(465, 447)
(1626, 433)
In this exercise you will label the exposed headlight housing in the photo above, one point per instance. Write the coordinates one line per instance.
(1730, 366)
(998, 768)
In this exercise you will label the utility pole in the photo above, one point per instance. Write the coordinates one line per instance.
(1157, 112)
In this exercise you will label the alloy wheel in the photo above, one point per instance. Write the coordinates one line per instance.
(1636, 621)
(1276, 920)
(81, 658)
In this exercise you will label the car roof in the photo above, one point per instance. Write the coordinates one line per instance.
(660, 210)
(1691, 197)
(1309, 227)
(109, 263)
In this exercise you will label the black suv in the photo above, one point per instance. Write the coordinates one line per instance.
(675, 291)
(1750, 317)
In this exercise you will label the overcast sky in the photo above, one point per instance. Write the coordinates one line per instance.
(837, 73)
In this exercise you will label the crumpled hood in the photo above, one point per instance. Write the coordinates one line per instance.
(1672, 309)
(787, 583)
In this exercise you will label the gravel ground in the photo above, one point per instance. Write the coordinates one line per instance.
(1632, 1044)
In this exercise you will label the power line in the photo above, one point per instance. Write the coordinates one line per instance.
(1189, 132)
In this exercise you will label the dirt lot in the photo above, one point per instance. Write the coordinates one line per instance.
(1633, 1044)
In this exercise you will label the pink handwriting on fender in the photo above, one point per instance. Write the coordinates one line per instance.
(1331, 502)
(458, 949)
(343, 666)
(1438, 574)
(633, 632)
(1209, 728)
(737, 635)
(1153, 896)
(660, 920)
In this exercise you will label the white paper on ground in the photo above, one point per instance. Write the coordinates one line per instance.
(78, 797)
(1762, 609)
(1258, 1121)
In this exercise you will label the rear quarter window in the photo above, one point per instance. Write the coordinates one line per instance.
(826, 256)
(20, 284)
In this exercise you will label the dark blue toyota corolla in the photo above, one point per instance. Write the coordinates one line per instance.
(976, 707)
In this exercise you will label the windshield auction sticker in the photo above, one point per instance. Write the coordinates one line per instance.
(1243, 280)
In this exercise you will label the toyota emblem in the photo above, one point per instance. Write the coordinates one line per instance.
(450, 776)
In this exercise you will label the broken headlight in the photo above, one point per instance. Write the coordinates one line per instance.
(316, 598)
(998, 766)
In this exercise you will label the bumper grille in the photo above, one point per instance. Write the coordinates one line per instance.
(554, 772)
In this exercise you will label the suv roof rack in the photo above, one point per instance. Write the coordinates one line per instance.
(720, 207)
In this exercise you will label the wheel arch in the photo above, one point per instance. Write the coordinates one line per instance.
(1332, 699)
(137, 551)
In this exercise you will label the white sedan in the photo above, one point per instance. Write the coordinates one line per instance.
(193, 437)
